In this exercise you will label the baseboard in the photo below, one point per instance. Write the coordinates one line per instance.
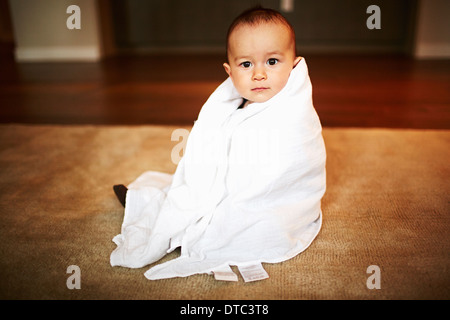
(57, 54)
(433, 50)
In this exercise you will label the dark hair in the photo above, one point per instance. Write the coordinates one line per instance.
(258, 15)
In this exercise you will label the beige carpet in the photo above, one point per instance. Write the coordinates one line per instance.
(387, 204)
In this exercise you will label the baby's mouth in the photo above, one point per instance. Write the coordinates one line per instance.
(260, 89)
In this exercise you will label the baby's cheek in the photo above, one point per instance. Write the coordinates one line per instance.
(279, 85)
(241, 87)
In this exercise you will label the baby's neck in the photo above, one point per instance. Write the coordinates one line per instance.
(244, 103)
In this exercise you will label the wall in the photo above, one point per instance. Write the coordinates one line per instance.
(327, 26)
(41, 33)
(433, 29)
(6, 33)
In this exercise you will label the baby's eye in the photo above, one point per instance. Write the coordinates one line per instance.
(272, 61)
(246, 64)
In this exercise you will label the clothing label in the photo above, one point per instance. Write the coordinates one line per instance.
(225, 274)
(253, 272)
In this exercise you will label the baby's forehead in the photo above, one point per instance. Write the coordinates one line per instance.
(267, 34)
(275, 26)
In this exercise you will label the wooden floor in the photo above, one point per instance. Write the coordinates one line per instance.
(349, 91)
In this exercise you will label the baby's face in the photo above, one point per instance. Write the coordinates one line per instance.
(261, 59)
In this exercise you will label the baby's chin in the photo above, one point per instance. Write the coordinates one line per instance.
(259, 98)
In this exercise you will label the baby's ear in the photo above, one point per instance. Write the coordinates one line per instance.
(227, 68)
(297, 60)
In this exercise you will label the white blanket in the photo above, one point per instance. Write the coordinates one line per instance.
(247, 190)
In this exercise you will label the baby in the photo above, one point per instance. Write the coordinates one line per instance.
(221, 212)
(261, 54)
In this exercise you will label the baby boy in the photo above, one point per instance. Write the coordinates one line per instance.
(223, 212)
(261, 54)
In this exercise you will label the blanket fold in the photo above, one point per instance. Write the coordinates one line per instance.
(247, 190)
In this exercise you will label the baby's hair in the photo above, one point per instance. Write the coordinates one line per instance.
(258, 15)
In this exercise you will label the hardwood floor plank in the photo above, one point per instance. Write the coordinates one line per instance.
(348, 91)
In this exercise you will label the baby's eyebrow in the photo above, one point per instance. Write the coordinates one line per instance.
(273, 53)
(242, 57)
(268, 54)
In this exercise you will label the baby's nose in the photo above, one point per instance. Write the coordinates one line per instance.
(259, 74)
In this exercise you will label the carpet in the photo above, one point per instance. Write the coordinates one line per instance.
(386, 205)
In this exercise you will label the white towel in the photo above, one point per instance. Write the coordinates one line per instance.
(247, 190)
